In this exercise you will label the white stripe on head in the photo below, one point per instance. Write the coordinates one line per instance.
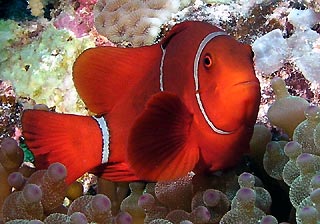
(161, 68)
(202, 45)
(105, 137)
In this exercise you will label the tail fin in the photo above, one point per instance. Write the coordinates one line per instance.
(73, 140)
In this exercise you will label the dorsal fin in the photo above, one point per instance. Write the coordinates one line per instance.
(103, 75)
(175, 30)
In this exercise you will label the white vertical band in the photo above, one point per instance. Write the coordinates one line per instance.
(216, 130)
(105, 137)
(202, 45)
(161, 68)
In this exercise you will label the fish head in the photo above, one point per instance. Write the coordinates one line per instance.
(214, 75)
(226, 88)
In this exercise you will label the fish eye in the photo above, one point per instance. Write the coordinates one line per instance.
(207, 61)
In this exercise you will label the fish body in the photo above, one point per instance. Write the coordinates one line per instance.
(186, 103)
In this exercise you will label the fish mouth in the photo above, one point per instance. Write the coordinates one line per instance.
(249, 88)
(248, 82)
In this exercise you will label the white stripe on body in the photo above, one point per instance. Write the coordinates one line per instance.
(105, 137)
(161, 68)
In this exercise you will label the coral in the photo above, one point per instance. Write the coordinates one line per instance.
(123, 218)
(304, 42)
(5, 189)
(9, 111)
(263, 198)
(160, 221)
(299, 189)
(23, 204)
(215, 201)
(16, 180)
(274, 159)
(246, 180)
(129, 204)
(305, 54)
(243, 209)
(11, 155)
(300, 172)
(228, 184)
(245, 20)
(151, 209)
(199, 215)
(311, 201)
(74, 23)
(115, 191)
(52, 184)
(76, 217)
(96, 208)
(315, 182)
(260, 138)
(308, 215)
(42, 69)
(303, 133)
(79, 20)
(11, 32)
(136, 22)
(36, 7)
(303, 19)
(206, 206)
(270, 52)
(217, 1)
(290, 170)
(287, 111)
(269, 219)
(175, 194)
(24, 221)
(316, 136)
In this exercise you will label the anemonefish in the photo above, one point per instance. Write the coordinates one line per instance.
(188, 103)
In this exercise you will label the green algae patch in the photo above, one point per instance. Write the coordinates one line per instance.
(41, 67)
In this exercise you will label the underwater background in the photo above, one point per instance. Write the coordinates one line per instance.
(277, 182)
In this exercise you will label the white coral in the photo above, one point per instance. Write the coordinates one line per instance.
(137, 22)
(271, 51)
(302, 48)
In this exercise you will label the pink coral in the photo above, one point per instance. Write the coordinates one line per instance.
(79, 25)
(79, 21)
(87, 2)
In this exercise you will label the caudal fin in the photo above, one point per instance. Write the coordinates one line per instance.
(72, 140)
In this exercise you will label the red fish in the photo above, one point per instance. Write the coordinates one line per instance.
(187, 103)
